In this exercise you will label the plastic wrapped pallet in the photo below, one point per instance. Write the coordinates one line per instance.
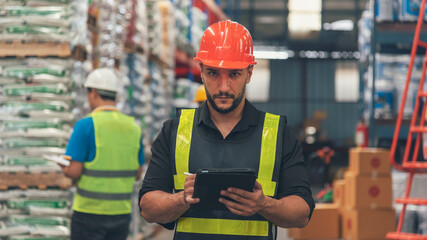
(108, 23)
(168, 32)
(36, 114)
(200, 20)
(40, 99)
(58, 24)
(161, 88)
(182, 23)
(42, 213)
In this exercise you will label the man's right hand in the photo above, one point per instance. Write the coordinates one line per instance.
(189, 190)
(162, 207)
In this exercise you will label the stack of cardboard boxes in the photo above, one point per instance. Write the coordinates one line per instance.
(324, 224)
(362, 207)
(366, 205)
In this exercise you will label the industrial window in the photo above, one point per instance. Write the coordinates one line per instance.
(346, 81)
(305, 16)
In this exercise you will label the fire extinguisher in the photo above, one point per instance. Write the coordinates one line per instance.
(362, 133)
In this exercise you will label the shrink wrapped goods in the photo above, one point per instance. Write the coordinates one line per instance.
(40, 99)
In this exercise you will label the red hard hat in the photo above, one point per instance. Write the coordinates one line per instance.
(226, 44)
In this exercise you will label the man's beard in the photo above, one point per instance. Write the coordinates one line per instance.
(234, 104)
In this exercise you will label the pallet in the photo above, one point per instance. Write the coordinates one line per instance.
(159, 60)
(25, 180)
(132, 47)
(18, 48)
(79, 53)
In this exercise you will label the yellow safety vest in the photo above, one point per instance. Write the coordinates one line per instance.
(223, 227)
(106, 183)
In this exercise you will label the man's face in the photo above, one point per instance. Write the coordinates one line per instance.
(225, 88)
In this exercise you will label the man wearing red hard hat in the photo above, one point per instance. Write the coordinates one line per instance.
(227, 132)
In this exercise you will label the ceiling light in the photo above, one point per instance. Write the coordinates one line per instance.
(267, 54)
(270, 19)
(341, 25)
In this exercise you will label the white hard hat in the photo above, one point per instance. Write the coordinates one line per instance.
(103, 79)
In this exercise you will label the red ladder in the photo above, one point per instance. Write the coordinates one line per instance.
(416, 130)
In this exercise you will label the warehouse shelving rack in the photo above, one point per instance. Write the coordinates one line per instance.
(385, 36)
(416, 130)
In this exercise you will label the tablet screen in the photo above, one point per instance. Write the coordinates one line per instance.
(209, 183)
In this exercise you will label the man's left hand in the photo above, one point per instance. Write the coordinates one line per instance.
(247, 203)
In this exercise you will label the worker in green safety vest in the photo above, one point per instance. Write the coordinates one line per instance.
(106, 158)
(227, 131)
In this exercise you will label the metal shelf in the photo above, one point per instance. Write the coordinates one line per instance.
(389, 37)
(386, 130)
(397, 32)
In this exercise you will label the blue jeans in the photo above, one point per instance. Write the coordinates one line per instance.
(99, 227)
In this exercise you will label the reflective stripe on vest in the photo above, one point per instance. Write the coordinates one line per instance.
(104, 196)
(265, 177)
(183, 143)
(222, 226)
(109, 174)
(268, 154)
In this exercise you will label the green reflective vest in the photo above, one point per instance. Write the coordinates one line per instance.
(259, 150)
(106, 183)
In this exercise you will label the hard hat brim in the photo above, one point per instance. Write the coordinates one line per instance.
(225, 64)
(85, 85)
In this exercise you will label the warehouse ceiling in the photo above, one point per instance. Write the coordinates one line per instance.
(267, 20)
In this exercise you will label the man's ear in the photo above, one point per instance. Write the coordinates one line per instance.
(89, 93)
(250, 69)
(201, 70)
(95, 93)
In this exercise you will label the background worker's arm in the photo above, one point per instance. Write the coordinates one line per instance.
(74, 170)
(162, 207)
(78, 147)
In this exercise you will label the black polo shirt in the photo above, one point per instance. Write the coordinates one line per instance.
(293, 178)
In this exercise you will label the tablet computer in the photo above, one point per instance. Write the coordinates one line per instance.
(209, 182)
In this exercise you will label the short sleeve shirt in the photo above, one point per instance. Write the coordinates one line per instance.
(81, 146)
(293, 178)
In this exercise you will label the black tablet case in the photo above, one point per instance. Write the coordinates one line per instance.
(209, 183)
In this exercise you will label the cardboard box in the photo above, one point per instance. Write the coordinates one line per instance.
(339, 192)
(312, 122)
(324, 224)
(370, 161)
(367, 193)
(339, 198)
(366, 224)
(320, 115)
